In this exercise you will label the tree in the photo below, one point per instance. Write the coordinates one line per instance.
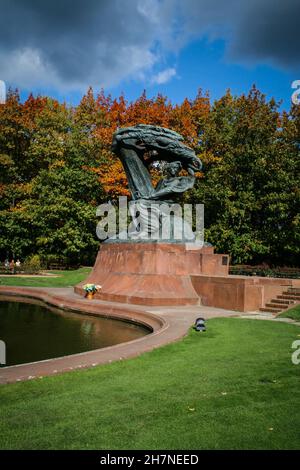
(56, 166)
(251, 180)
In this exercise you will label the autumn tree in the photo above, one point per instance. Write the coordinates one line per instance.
(56, 166)
(53, 209)
(251, 180)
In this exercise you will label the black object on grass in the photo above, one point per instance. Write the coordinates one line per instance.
(200, 324)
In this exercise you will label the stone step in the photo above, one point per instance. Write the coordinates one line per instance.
(295, 290)
(270, 309)
(288, 295)
(293, 293)
(283, 301)
(277, 305)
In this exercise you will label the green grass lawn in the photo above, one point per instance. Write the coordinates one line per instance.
(293, 313)
(233, 387)
(65, 279)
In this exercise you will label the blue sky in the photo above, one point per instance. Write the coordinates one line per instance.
(163, 46)
(203, 65)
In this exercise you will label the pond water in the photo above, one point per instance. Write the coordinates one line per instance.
(34, 332)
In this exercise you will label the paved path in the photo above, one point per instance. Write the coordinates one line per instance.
(268, 316)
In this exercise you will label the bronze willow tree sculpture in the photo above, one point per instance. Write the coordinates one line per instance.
(138, 147)
(131, 143)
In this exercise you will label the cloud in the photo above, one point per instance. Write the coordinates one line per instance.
(268, 32)
(72, 44)
(164, 76)
(256, 31)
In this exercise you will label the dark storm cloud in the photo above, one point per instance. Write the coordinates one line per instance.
(269, 30)
(74, 43)
(75, 40)
(254, 30)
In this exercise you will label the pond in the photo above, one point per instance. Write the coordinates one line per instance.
(34, 332)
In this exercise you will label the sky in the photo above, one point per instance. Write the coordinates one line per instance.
(174, 47)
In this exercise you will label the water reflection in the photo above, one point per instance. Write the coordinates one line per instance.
(34, 332)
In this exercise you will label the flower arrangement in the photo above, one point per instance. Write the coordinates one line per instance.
(91, 289)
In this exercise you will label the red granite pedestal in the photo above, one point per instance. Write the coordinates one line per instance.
(153, 273)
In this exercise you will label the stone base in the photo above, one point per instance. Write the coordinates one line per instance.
(153, 273)
(240, 293)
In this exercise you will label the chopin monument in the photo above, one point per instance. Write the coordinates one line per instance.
(155, 205)
(131, 144)
(140, 146)
(154, 263)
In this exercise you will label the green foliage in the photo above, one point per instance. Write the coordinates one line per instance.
(49, 191)
(56, 167)
(32, 264)
(251, 187)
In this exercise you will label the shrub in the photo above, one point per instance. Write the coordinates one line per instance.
(32, 264)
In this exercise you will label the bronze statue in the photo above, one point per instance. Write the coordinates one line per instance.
(173, 184)
(131, 144)
(140, 146)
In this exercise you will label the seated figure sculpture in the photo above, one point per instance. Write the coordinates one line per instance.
(140, 146)
(173, 184)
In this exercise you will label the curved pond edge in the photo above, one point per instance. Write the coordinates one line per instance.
(163, 331)
(168, 324)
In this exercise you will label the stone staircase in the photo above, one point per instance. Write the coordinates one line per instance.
(285, 300)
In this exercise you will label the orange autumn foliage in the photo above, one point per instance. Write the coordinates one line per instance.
(184, 118)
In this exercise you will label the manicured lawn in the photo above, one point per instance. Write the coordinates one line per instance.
(65, 279)
(233, 387)
(293, 313)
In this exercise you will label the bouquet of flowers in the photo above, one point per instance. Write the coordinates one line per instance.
(91, 289)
